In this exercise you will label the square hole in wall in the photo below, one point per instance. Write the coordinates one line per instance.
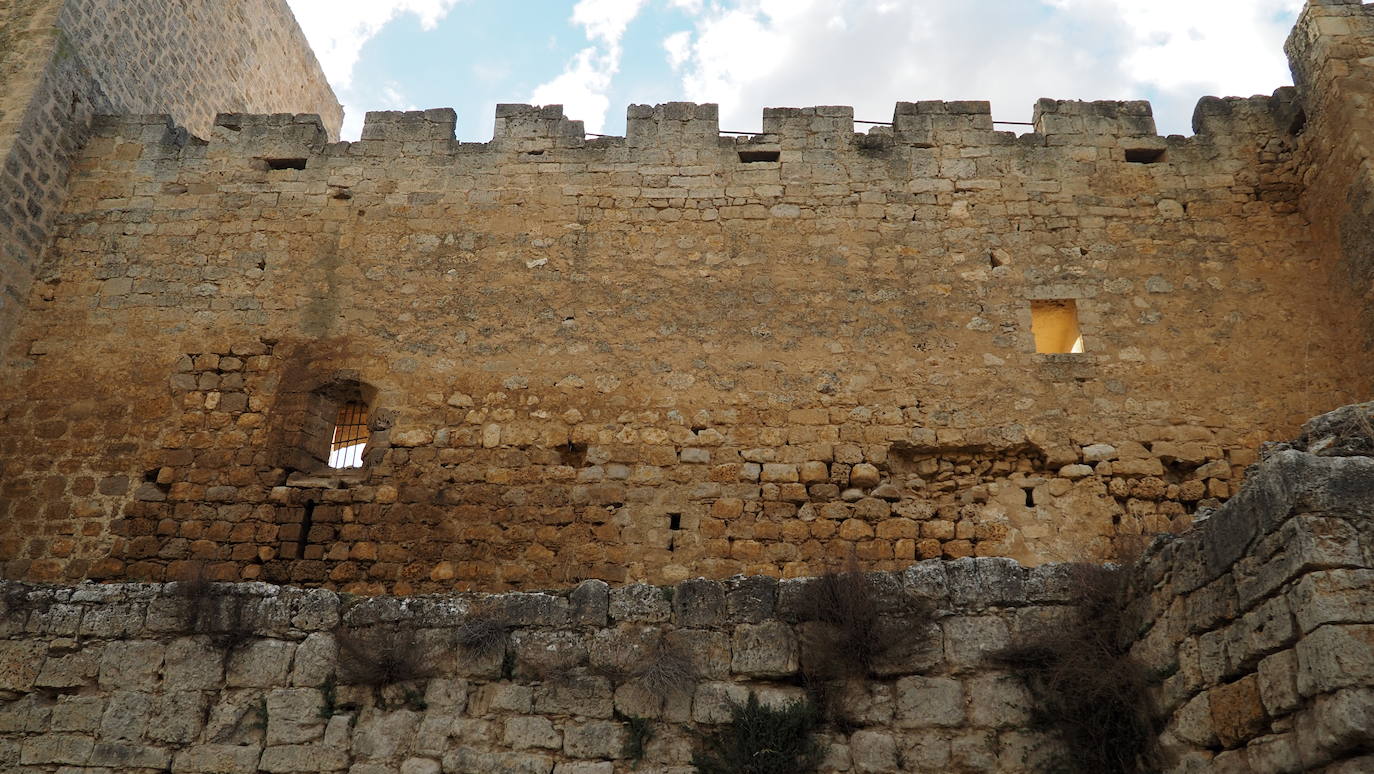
(1054, 323)
(1145, 155)
(755, 156)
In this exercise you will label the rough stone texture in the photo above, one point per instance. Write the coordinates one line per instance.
(816, 356)
(1260, 621)
(157, 689)
(63, 61)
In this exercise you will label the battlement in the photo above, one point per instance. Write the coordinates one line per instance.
(1105, 130)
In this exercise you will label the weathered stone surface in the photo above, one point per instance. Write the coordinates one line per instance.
(764, 650)
(640, 602)
(531, 731)
(924, 702)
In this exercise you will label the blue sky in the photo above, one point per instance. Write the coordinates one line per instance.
(597, 56)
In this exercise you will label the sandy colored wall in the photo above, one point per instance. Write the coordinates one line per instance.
(643, 358)
(61, 63)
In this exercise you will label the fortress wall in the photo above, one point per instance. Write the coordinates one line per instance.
(131, 676)
(652, 357)
(1255, 634)
(64, 62)
(1259, 620)
(1329, 50)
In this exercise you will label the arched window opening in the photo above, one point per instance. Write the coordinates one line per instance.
(350, 436)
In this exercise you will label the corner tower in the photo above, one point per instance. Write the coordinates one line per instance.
(64, 61)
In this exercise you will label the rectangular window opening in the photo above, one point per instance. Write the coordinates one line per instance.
(674, 521)
(285, 163)
(350, 437)
(1145, 155)
(1054, 323)
(752, 156)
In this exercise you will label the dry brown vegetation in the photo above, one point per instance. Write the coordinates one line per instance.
(1088, 690)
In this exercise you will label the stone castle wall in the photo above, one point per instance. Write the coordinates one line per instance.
(62, 62)
(644, 358)
(675, 353)
(115, 676)
(1255, 628)
(1260, 619)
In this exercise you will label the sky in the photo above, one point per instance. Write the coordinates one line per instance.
(598, 56)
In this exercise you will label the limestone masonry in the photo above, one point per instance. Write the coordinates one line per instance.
(414, 455)
(1257, 627)
(665, 355)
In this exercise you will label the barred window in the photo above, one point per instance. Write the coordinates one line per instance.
(350, 437)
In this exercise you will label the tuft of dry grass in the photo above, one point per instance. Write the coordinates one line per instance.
(848, 635)
(213, 609)
(483, 633)
(379, 656)
(666, 671)
(1089, 691)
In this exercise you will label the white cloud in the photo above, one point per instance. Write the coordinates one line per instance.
(583, 85)
(338, 29)
(746, 54)
(679, 48)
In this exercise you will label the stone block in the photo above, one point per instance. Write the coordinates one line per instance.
(522, 733)
(1278, 683)
(293, 758)
(581, 695)
(594, 739)
(970, 640)
(1335, 597)
(768, 649)
(925, 702)
(193, 663)
(216, 759)
(1237, 712)
(50, 749)
(699, 603)
(1336, 725)
(1335, 657)
(715, 702)
(589, 603)
(640, 602)
(260, 664)
(539, 653)
(998, 701)
(20, 663)
(873, 751)
(131, 666)
(126, 716)
(70, 670)
(293, 716)
(178, 717)
(129, 757)
(385, 737)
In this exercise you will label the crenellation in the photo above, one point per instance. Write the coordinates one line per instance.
(533, 128)
(931, 123)
(411, 126)
(672, 124)
(822, 128)
(1068, 122)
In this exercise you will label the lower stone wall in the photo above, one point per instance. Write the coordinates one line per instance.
(1256, 629)
(250, 677)
(1262, 618)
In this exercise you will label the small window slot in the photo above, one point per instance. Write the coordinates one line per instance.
(755, 156)
(1145, 155)
(285, 163)
(675, 521)
(1054, 324)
